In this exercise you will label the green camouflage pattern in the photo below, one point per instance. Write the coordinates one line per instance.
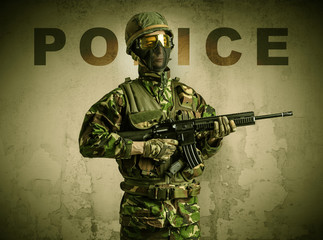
(160, 88)
(140, 212)
(192, 232)
(99, 138)
(103, 119)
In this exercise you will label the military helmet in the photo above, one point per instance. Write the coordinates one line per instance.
(144, 23)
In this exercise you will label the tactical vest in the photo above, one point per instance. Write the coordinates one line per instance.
(143, 112)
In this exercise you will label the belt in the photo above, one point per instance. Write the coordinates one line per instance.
(163, 192)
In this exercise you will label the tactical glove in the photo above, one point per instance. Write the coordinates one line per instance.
(160, 149)
(222, 128)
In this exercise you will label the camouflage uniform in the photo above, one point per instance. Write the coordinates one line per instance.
(154, 205)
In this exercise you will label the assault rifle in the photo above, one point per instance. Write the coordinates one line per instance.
(185, 130)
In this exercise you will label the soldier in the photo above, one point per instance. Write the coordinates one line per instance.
(154, 205)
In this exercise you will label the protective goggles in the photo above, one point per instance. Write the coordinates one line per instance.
(151, 41)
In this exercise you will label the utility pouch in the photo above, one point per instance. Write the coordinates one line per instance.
(142, 109)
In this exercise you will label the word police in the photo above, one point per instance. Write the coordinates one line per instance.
(264, 45)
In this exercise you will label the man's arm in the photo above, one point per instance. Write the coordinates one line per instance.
(207, 144)
(97, 137)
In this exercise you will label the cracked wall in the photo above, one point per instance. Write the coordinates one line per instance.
(265, 183)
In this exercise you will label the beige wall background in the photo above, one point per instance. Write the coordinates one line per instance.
(265, 183)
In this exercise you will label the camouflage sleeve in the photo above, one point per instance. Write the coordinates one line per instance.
(206, 111)
(98, 137)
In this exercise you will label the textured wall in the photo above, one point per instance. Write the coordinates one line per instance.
(265, 184)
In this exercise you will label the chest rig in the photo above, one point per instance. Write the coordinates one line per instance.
(142, 112)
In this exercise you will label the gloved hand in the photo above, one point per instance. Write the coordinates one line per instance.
(160, 149)
(222, 128)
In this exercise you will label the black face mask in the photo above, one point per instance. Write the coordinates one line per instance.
(155, 59)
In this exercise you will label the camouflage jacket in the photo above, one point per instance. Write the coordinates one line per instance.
(99, 138)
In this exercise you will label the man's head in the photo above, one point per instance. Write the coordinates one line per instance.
(149, 40)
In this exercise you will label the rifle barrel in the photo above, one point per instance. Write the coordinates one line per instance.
(274, 115)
